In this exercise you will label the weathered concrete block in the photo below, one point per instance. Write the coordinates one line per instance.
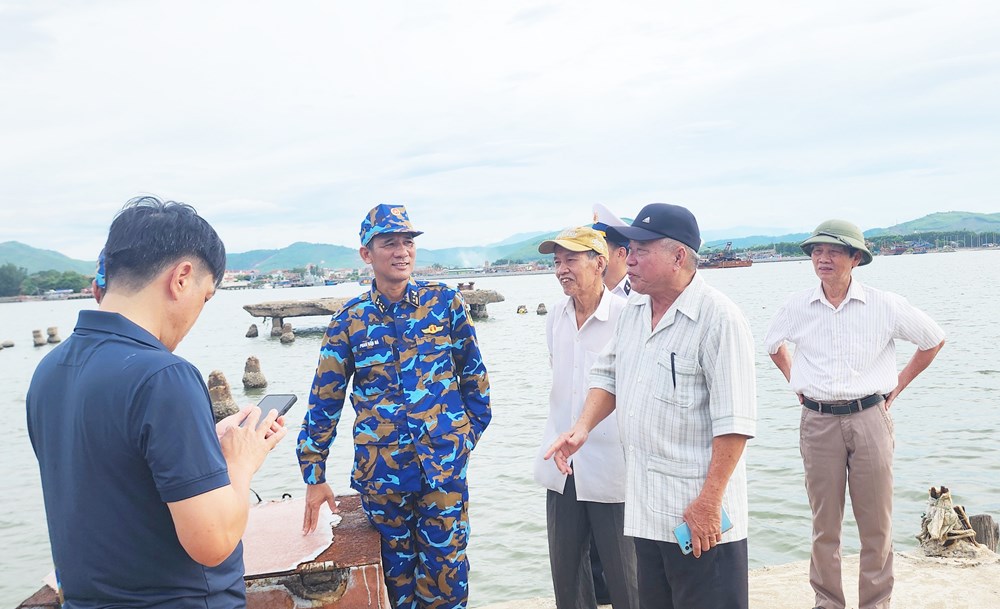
(53, 333)
(253, 378)
(223, 403)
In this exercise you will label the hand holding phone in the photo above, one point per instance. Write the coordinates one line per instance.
(281, 402)
(683, 533)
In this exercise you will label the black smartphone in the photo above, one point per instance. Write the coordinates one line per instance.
(281, 402)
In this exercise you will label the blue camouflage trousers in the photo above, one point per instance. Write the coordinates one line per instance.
(424, 539)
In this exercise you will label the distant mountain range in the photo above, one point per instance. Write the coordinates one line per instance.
(937, 222)
(523, 246)
(34, 260)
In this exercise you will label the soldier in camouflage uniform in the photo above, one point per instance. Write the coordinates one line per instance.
(421, 395)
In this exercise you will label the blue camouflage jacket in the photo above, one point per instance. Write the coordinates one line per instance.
(420, 390)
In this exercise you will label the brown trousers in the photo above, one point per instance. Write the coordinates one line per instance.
(854, 451)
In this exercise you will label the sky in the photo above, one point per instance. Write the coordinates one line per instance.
(288, 121)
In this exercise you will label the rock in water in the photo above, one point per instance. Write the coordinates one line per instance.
(223, 403)
(252, 331)
(53, 333)
(253, 378)
(36, 335)
(287, 336)
(7, 344)
(541, 310)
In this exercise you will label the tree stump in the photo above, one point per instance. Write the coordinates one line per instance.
(987, 530)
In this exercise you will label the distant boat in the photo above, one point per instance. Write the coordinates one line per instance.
(57, 294)
(893, 250)
(725, 259)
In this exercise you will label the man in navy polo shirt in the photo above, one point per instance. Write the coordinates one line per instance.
(145, 497)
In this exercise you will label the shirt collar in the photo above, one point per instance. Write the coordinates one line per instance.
(688, 302)
(855, 291)
(601, 313)
(116, 323)
(624, 286)
(410, 295)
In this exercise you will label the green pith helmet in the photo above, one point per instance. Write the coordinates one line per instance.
(838, 232)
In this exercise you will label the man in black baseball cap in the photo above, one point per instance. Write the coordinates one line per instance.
(659, 220)
(680, 372)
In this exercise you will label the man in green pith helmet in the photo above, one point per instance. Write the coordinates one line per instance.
(843, 371)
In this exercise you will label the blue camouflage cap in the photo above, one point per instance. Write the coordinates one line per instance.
(384, 218)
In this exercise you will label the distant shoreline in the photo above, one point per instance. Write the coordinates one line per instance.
(463, 275)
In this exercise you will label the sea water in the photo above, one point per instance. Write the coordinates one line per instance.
(946, 422)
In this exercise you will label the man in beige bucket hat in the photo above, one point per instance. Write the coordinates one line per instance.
(844, 373)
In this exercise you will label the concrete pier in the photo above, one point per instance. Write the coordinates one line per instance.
(279, 310)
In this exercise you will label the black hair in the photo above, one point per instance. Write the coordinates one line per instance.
(148, 235)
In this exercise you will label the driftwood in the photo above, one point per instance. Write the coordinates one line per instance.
(945, 530)
(987, 530)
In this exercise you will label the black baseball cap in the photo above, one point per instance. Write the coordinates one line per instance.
(659, 220)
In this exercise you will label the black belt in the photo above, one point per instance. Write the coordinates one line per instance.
(846, 407)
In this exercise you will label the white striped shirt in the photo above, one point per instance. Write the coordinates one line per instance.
(704, 342)
(848, 352)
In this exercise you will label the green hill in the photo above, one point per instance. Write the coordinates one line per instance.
(528, 250)
(298, 254)
(35, 260)
(754, 241)
(943, 221)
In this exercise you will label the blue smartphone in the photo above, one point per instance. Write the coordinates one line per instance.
(683, 532)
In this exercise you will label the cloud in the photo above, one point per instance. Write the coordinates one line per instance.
(288, 122)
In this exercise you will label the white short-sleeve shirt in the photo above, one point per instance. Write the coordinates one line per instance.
(598, 467)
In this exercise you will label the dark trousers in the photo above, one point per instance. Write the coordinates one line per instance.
(570, 526)
(600, 585)
(668, 579)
